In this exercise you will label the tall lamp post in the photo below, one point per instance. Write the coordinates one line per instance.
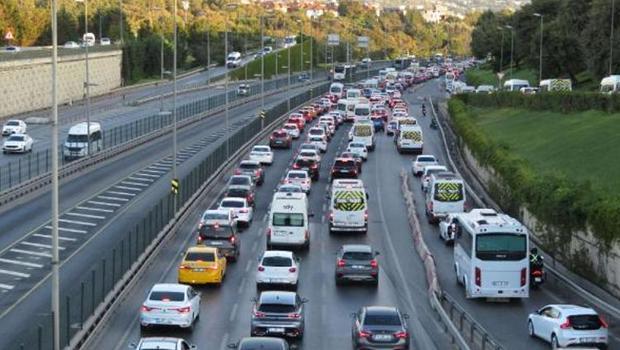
(541, 46)
(87, 82)
(611, 37)
(55, 204)
(228, 7)
(174, 101)
(512, 46)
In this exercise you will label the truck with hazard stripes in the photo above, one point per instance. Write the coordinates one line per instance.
(409, 138)
(348, 211)
(445, 195)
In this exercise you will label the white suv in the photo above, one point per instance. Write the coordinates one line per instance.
(567, 325)
(277, 267)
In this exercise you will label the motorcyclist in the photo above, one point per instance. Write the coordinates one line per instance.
(536, 261)
(424, 110)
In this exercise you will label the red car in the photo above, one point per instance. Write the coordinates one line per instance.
(280, 139)
(307, 114)
(297, 119)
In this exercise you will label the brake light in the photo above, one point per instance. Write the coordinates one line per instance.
(268, 233)
(232, 239)
(602, 322)
(331, 215)
(243, 210)
(261, 269)
(182, 310)
(566, 324)
(271, 137)
(257, 172)
(314, 166)
(307, 235)
(401, 335)
(294, 315)
(374, 264)
(341, 263)
(183, 267)
(478, 277)
(295, 166)
(237, 172)
(258, 313)
(148, 309)
(523, 277)
(366, 215)
(364, 334)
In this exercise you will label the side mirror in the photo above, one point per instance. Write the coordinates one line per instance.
(367, 196)
(132, 345)
(193, 347)
(232, 345)
(377, 253)
(406, 316)
(353, 315)
(304, 300)
(311, 215)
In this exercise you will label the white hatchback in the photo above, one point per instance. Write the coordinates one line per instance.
(262, 153)
(300, 178)
(170, 304)
(292, 130)
(243, 211)
(568, 325)
(422, 161)
(320, 141)
(277, 267)
(309, 154)
(358, 148)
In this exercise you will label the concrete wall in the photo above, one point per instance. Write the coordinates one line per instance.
(26, 84)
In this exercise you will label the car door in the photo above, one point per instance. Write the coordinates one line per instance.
(194, 299)
(544, 325)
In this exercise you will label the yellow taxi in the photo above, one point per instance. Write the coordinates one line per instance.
(202, 265)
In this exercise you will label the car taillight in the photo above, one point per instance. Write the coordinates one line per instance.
(366, 215)
(232, 239)
(261, 269)
(292, 269)
(331, 215)
(523, 277)
(183, 267)
(182, 310)
(314, 166)
(602, 322)
(307, 235)
(478, 278)
(268, 232)
(258, 313)
(271, 138)
(401, 335)
(257, 172)
(147, 309)
(237, 172)
(294, 315)
(295, 166)
(243, 210)
(566, 324)
(431, 207)
(374, 264)
(364, 334)
(341, 263)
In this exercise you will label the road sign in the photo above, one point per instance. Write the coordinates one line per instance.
(174, 186)
(333, 39)
(362, 41)
(8, 35)
(263, 114)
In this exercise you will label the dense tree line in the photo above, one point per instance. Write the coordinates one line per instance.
(146, 22)
(576, 37)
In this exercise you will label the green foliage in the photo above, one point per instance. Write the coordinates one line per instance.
(552, 173)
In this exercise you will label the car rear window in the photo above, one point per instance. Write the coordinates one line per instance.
(167, 296)
(307, 154)
(249, 166)
(280, 134)
(277, 308)
(585, 322)
(316, 132)
(12, 123)
(344, 163)
(237, 192)
(211, 231)
(382, 320)
(261, 149)
(216, 216)
(357, 256)
(305, 162)
(200, 256)
(426, 159)
(297, 175)
(277, 261)
(232, 204)
(239, 181)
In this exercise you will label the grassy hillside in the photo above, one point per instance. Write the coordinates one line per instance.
(485, 76)
(583, 146)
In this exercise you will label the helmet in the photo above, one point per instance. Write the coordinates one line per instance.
(534, 250)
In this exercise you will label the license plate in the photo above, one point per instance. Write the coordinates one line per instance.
(275, 330)
(537, 279)
(382, 337)
(198, 270)
(358, 267)
(587, 340)
(215, 243)
(344, 171)
(278, 142)
(500, 283)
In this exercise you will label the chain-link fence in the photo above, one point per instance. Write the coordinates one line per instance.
(81, 297)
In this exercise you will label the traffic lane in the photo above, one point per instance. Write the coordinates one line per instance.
(486, 313)
(21, 316)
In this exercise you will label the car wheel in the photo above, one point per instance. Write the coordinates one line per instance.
(554, 342)
(530, 329)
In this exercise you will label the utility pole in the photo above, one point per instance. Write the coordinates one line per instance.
(611, 37)
(174, 104)
(55, 203)
(120, 6)
(86, 44)
(208, 57)
(541, 47)
(262, 64)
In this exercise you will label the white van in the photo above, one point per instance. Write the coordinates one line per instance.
(610, 84)
(410, 138)
(364, 133)
(88, 39)
(288, 220)
(445, 194)
(547, 85)
(348, 206)
(76, 145)
(353, 94)
(233, 60)
(336, 89)
(361, 111)
(515, 84)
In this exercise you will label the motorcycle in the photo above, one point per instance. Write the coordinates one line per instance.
(434, 124)
(537, 276)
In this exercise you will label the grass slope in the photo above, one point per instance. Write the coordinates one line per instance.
(254, 67)
(584, 146)
(484, 76)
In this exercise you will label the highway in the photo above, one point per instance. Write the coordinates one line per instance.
(97, 208)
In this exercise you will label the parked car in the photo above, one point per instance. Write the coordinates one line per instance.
(71, 45)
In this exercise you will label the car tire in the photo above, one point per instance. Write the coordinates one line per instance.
(530, 329)
(554, 342)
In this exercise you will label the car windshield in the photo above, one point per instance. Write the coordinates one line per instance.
(307, 154)
(501, 246)
(199, 256)
(277, 308)
(249, 166)
(77, 138)
(12, 123)
(382, 320)
(288, 219)
(232, 204)
(299, 175)
(167, 296)
(277, 261)
(317, 132)
(357, 256)
(290, 127)
(261, 149)
(212, 231)
(362, 111)
(15, 138)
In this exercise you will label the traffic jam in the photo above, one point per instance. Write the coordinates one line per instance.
(491, 250)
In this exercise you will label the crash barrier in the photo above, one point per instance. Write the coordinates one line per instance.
(31, 173)
(434, 290)
(483, 200)
(85, 302)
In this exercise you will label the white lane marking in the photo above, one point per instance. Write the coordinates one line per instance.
(104, 203)
(13, 273)
(128, 188)
(265, 218)
(84, 223)
(118, 199)
(248, 265)
(241, 286)
(148, 175)
(86, 215)
(322, 219)
(30, 252)
(22, 263)
(135, 183)
(224, 342)
(140, 179)
(6, 286)
(122, 193)
(233, 312)
(40, 245)
(67, 229)
(254, 246)
(96, 209)
(161, 168)
(69, 239)
(147, 170)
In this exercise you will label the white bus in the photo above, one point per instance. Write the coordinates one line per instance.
(491, 255)
(340, 72)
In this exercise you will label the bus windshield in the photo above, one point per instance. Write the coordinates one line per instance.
(501, 246)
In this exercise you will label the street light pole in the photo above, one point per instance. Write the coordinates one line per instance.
(262, 64)
(512, 47)
(55, 203)
(174, 102)
(120, 6)
(301, 52)
(611, 37)
(208, 57)
(87, 83)
(228, 7)
(541, 46)
(311, 49)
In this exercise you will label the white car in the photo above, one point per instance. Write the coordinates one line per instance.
(309, 154)
(262, 153)
(168, 343)
(71, 45)
(17, 143)
(331, 130)
(217, 216)
(320, 141)
(422, 161)
(243, 211)
(105, 41)
(299, 177)
(448, 228)
(358, 148)
(567, 325)
(428, 171)
(14, 126)
(170, 304)
(277, 267)
(292, 130)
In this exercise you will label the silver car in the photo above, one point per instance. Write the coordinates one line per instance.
(357, 263)
(167, 343)
(278, 313)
